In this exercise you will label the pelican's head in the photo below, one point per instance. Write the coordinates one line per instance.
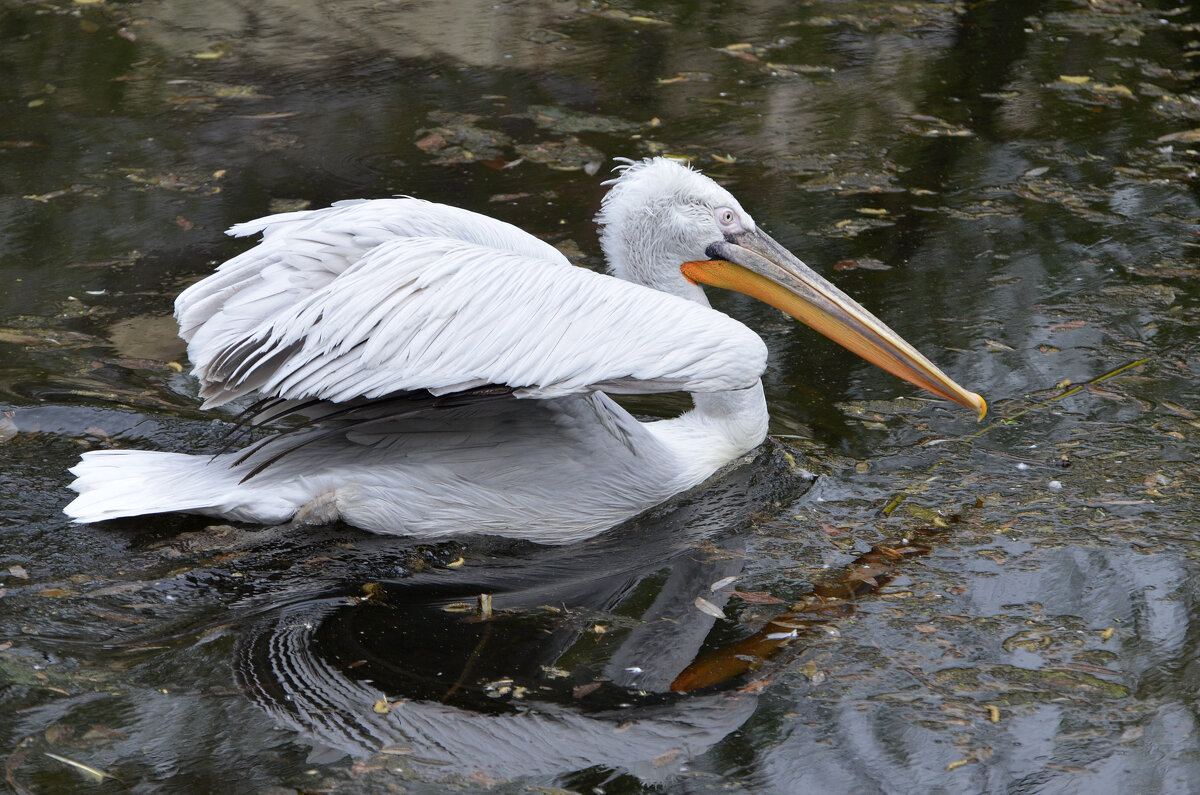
(660, 214)
(666, 226)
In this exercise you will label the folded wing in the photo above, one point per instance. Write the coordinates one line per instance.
(368, 299)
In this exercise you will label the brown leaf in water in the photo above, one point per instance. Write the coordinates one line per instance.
(581, 691)
(757, 597)
(432, 142)
(100, 734)
(124, 619)
(119, 588)
(863, 263)
(1177, 409)
(756, 687)
(1185, 137)
(58, 734)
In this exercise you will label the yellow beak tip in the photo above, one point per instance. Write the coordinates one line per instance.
(982, 407)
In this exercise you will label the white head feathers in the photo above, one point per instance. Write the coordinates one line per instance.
(658, 214)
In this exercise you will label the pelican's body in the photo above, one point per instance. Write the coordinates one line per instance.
(457, 366)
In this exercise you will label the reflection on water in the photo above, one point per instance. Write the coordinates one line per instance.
(1028, 173)
(569, 669)
(542, 733)
(548, 684)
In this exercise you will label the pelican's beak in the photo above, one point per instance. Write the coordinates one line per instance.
(754, 264)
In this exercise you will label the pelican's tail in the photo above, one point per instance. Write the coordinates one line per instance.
(115, 483)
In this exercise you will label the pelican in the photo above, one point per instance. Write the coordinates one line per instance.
(452, 372)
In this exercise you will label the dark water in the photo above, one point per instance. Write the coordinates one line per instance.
(1012, 186)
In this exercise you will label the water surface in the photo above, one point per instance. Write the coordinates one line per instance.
(1011, 186)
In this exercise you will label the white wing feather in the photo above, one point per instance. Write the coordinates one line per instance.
(444, 315)
(303, 251)
(369, 298)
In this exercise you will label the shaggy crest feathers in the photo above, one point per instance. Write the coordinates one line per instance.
(657, 215)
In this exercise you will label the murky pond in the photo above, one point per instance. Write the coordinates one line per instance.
(948, 607)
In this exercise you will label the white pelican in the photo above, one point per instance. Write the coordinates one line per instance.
(454, 368)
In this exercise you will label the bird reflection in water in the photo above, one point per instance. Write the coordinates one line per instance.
(534, 690)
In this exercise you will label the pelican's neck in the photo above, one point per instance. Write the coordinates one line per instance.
(721, 427)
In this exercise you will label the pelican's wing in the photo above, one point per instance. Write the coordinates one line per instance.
(304, 251)
(444, 315)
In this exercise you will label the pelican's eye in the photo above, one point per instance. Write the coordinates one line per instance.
(727, 219)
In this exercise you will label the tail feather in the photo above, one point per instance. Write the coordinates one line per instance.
(116, 483)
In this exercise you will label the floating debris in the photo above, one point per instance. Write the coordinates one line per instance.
(708, 608)
(288, 205)
(88, 770)
(863, 263)
(619, 15)
(566, 155)
(685, 77)
(723, 582)
(757, 597)
(795, 70)
(458, 139)
(564, 120)
(933, 127)
(1084, 82)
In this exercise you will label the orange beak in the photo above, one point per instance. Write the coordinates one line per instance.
(754, 264)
